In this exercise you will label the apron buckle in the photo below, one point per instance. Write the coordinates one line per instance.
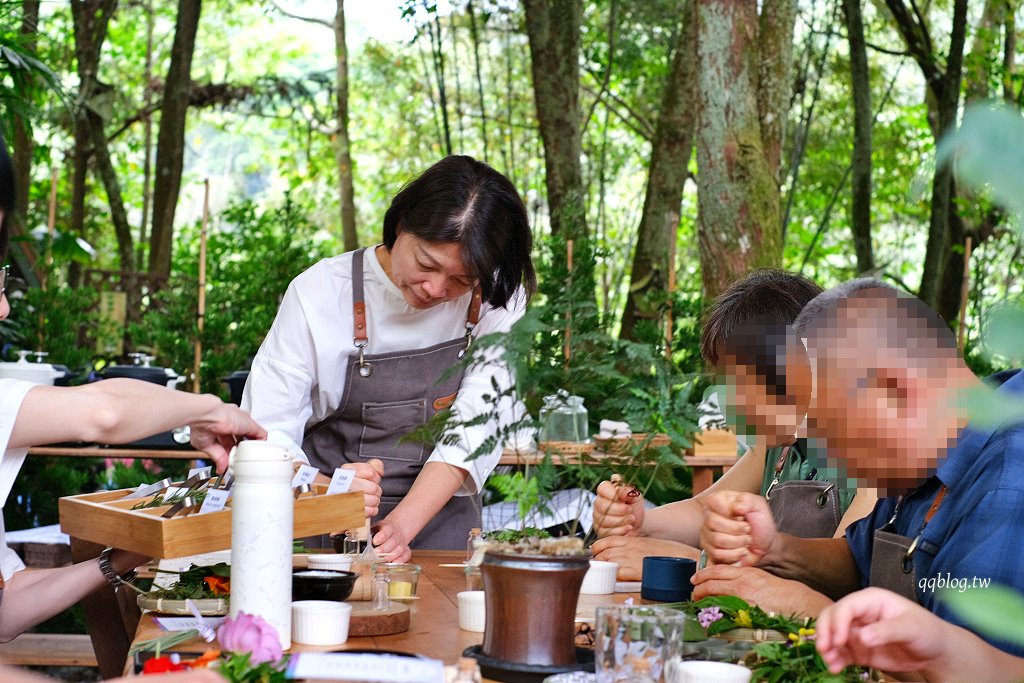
(365, 369)
(908, 558)
(469, 339)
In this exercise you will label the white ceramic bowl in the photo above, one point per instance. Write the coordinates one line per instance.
(330, 561)
(677, 671)
(600, 578)
(320, 622)
(472, 615)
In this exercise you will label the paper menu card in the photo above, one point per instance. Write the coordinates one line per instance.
(373, 668)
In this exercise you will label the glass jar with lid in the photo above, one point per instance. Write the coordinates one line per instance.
(564, 418)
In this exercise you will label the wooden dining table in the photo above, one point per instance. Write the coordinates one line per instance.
(434, 617)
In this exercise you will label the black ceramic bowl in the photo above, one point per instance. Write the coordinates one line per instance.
(322, 584)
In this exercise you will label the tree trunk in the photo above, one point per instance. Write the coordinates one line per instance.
(738, 192)
(553, 28)
(775, 81)
(90, 19)
(980, 62)
(479, 79)
(1010, 52)
(342, 147)
(437, 55)
(943, 266)
(170, 142)
(118, 215)
(22, 129)
(863, 118)
(670, 160)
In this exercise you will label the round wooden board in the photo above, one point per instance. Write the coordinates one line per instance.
(366, 622)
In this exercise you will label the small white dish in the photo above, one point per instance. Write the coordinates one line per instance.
(600, 578)
(320, 622)
(330, 561)
(678, 671)
(472, 615)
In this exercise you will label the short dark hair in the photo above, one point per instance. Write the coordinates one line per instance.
(896, 320)
(8, 191)
(464, 201)
(770, 295)
(818, 307)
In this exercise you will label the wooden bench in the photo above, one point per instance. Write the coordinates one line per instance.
(48, 649)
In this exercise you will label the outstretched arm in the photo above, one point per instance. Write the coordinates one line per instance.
(122, 410)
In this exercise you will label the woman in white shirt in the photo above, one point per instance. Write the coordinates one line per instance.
(111, 411)
(366, 348)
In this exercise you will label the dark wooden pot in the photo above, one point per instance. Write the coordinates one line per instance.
(530, 602)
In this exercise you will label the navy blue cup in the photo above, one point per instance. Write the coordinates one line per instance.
(667, 579)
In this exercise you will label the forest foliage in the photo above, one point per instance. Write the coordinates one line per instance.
(638, 86)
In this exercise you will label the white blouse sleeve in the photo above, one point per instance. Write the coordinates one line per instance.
(12, 394)
(278, 393)
(478, 382)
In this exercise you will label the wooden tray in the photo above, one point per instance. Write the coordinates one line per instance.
(106, 518)
(565, 447)
(616, 446)
(209, 607)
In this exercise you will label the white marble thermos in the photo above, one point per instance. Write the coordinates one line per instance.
(262, 509)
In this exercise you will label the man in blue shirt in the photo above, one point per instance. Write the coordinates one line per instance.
(890, 397)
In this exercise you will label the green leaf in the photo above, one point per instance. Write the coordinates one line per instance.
(995, 611)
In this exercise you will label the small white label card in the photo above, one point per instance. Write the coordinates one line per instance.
(338, 666)
(214, 501)
(305, 475)
(208, 471)
(341, 482)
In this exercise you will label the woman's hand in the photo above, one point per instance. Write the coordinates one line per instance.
(367, 481)
(629, 552)
(877, 628)
(391, 542)
(738, 528)
(218, 431)
(618, 509)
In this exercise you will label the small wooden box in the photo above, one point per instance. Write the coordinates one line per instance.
(106, 518)
(711, 443)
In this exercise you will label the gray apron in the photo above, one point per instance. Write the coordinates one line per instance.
(387, 396)
(892, 556)
(803, 508)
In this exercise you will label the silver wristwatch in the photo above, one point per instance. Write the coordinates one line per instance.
(112, 577)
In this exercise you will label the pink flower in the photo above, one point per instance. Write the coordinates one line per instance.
(249, 633)
(709, 615)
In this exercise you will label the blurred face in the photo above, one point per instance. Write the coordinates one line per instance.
(757, 410)
(890, 421)
(428, 273)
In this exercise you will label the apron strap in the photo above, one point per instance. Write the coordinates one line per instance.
(359, 338)
(936, 504)
(358, 300)
(472, 318)
(779, 464)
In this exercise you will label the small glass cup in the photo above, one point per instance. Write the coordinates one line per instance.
(632, 643)
(402, 580)
(474, 579)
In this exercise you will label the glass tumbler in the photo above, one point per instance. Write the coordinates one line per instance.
(632, 643)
